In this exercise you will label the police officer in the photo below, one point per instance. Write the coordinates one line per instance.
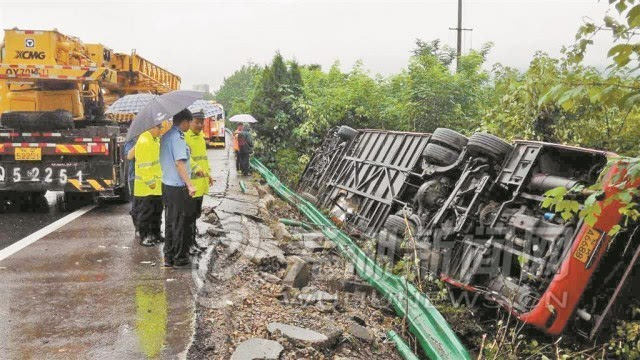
(200, 171)
(147, 187)
(177, 191)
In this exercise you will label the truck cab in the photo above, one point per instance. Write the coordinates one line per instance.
(54, 90)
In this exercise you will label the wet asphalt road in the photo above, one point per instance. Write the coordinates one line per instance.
(16, 225)
(88, 290)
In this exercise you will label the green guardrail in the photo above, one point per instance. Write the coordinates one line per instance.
(296, 223)
(403, 348)
(436, 338)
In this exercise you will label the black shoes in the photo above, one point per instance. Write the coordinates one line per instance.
(181, 263)
(168, 262)
(148, 241)
(158, 238)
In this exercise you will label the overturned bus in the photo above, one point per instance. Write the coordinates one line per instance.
(474, 208)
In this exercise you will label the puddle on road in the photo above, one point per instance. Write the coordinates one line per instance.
(151, 318)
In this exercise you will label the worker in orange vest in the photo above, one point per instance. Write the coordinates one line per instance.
(236, 145)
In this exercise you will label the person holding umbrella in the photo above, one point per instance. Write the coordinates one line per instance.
(236, 147)
(123, 110)
(245, 148)
(177, 191)
(177, 188)
(244, 142)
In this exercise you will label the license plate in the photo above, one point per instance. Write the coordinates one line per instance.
(587, 244)
(28, 154)
(46, 174)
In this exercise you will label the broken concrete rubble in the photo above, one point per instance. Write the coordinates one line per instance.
(248, 269)
(268, 200)
(317, 296)
(314, 242)
(328, 244)
(361, 333)
(212, 218)
(314, 236)
(352, 286)
(270, 278)
(298, 334)
(313, 246)
(257, 349)
(298, 272)
(264, 190)
(206, 210)
(248, 242)
(215, 231)
(280, 232)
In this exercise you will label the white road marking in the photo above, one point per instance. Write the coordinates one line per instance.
(21, 244)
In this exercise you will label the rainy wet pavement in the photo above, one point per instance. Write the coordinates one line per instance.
(88, 290)
(18, 224)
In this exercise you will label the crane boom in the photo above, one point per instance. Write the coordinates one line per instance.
(54, 90)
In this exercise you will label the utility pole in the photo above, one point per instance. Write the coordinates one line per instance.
(459, 31)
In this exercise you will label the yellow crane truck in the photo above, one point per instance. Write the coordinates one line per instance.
(54, 90)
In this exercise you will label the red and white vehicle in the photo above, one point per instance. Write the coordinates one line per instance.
(214, 129)
(474, 205)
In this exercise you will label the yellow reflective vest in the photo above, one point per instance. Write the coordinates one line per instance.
(148, 170)
(199, 162)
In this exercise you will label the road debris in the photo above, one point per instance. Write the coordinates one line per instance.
(361, 333)
(257, 348)
(298, 272)
(436, 338)
(280, 291)
(298, 334)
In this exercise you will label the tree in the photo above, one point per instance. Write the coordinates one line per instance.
(618, 90)
(296, 105)
(236, 89)
(441, 98)
(275, 104)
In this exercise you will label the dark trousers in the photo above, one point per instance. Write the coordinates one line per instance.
(237, 161)
(197, 211)
(243, 158)
(134, 210)
(178, 212)
(149, 215)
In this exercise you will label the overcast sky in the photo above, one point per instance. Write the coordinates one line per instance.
(205, 41)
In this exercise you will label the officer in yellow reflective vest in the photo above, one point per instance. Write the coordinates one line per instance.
(148, 187)
(200, 171)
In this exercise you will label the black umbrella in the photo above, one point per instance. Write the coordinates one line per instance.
(160, 109)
